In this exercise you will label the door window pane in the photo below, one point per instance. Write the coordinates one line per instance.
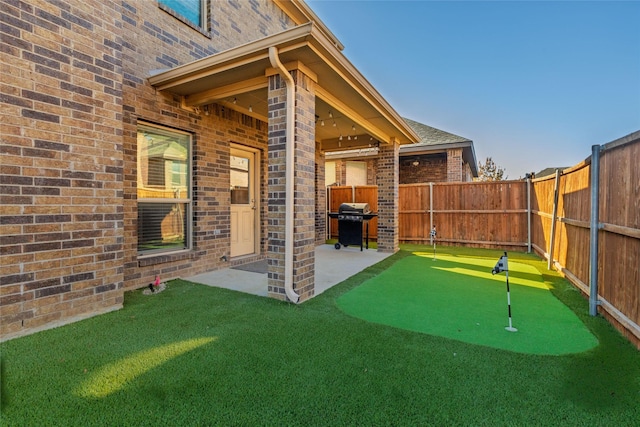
(239, 180)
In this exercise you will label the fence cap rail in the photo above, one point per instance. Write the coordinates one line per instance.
(628, 139)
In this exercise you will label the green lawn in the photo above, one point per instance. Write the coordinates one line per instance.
(195, 355)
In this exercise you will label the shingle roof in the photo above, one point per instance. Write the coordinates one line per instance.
(432, 136)
(549, 171)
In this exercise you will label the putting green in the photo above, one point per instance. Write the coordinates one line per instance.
(457, 297)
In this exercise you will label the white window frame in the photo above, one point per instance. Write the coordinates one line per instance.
(187, 201)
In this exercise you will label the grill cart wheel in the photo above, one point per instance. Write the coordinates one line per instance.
(337, 246)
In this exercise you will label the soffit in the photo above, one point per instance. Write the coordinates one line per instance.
(238, 79)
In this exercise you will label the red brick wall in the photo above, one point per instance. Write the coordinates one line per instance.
(62, 163)
(74, 88)
(454, 165)
(430, 168)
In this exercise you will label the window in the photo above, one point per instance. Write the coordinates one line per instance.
(239, 180)
(164, 199)
(190, 10)
(330, 173)
(356, 173)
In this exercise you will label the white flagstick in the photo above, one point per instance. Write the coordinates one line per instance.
(503, 265)
(509, 328)
(433, 239)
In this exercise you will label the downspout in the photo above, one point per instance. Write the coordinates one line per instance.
(289, 176)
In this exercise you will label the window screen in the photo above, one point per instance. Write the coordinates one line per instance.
(164, 200)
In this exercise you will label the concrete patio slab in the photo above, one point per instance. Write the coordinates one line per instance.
(332, 267)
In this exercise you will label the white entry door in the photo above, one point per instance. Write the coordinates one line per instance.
(243, 172)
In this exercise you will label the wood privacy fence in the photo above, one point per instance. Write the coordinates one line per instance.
(478, 214)
(551, 215)
(586, 223)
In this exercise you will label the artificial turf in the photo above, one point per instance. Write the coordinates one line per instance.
(457, 297)
(195, 355)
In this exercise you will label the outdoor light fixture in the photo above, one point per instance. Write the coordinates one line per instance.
(250, 109)
(206, 110)
(415, 163)
(321, 122)
(235, 100)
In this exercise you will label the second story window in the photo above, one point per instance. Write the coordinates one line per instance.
(192, 11)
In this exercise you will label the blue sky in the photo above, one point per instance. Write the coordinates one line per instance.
(532, 84)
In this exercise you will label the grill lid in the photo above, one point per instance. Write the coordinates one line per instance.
(357, 208)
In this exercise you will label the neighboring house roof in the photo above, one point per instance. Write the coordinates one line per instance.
(549, 171)
(436, 140)
(432, 136)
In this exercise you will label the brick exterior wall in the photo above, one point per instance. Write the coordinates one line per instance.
(467, 175)
(62, 163)
(431, 168)
(341, 170)
(74, 90)
(454, 165)
(387, 182)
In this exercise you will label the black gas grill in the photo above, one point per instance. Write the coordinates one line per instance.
(352, 218)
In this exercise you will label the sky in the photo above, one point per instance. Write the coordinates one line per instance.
(532, 84)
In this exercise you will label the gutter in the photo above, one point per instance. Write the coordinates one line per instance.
(289, 176)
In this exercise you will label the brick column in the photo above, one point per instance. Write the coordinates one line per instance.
(388, 197)
(454, 165)
(304, 186)
(321, 198)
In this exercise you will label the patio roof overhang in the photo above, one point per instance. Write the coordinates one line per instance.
(237, 79)
(468, 152)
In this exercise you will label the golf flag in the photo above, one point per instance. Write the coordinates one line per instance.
(501, 265)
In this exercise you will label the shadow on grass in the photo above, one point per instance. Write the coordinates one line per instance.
(275, 363)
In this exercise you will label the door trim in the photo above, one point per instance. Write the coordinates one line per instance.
(255, 181)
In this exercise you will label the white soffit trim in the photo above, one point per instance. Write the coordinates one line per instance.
(329, 64)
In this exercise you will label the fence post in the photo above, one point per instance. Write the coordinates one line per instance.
(593, 245)
(529, 215)
(431, 206)
(553, 220)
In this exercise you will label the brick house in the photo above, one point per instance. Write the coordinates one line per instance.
(145, 138)
(438, 156)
